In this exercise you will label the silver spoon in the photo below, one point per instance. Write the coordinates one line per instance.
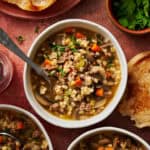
(11, 136)
(7, 42)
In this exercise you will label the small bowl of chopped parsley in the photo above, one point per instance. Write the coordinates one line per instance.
(132, 16)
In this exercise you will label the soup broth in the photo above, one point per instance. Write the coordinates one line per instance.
(108, 141)
(84, 69)
(29, 136)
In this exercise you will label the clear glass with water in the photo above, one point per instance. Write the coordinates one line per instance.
(6, 71)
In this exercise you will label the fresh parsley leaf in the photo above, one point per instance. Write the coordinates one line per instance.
(132, 14)
(110, 61)
(124, 22)
(74, 41)
(61, 71)
(58, 48)
(74, 50)
(99, 41)
(20, 39)
(146, 7)
(138, 2)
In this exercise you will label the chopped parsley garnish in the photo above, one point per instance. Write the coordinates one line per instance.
(57, 47)
(73, 50)
(20, 39)
(74, 41)
(61, 71)
(132, 14)
(99, 41)
(110, 61)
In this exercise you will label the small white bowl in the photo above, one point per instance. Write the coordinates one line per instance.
(108, 129)
(32, 117)
(117, 97)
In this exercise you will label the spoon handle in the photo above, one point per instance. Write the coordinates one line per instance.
(7, 42)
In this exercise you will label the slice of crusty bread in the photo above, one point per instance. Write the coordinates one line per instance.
(136, 102)
(32, 5)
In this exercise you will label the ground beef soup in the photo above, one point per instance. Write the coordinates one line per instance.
(27, 132)
(85, 72)
(108, 141)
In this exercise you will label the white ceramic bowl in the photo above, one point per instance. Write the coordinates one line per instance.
(117, 97)
(108, 129)
(28, 114)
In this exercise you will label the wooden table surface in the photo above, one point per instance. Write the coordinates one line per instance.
(94, 10)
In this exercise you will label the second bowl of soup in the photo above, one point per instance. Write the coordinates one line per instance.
(87, 69)
(108, 138)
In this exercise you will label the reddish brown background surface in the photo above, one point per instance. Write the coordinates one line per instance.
(93, 10)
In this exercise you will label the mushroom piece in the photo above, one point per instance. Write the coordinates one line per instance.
(104, 141)
(100, 103)
(32, 146)
(41, 100)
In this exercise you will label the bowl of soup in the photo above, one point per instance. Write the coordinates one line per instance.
(87, 69)
(108, 138)
(19, 129)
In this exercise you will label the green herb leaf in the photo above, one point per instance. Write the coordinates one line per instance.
(74, 41)
(110, 61)
(99, 41)
(58, 48)
(132, 14)
(20, 39)
(129, 7)
(124, 22)
(138, 2)
(146, 6)
(61, 71)
(73, 50)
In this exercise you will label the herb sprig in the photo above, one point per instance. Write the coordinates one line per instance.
(20, 39)
(132, 14)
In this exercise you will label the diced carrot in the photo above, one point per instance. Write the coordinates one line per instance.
(108, 74)
(101, 148)
(20, 125)
(70, 30)
(109, 148)
(1, 139)
(78, 82)
(79, 35)
(99, 92)
(95, 48)
(47, 62)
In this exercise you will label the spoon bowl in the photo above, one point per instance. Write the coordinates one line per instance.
(11, 136)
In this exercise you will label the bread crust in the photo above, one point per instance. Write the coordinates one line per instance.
(136, 102)
(32, 5)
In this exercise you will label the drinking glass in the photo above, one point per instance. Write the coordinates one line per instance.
(6, 71)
